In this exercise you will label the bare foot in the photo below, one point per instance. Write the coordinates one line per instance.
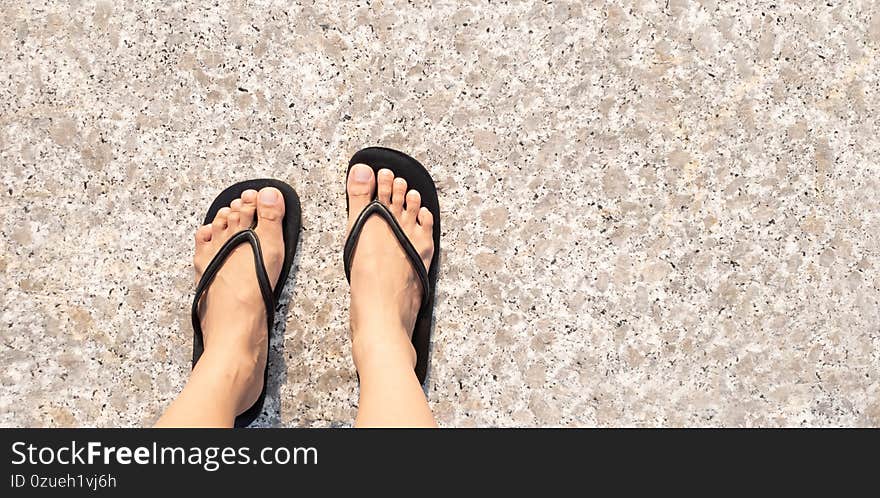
(385, 291)
(233, 315)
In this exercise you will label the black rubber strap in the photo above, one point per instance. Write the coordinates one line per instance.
(249, 236)
(415, 259)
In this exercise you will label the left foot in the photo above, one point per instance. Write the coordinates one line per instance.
(233, 315)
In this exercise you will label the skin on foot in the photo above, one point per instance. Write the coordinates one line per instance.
(385, 291)
(233, 315)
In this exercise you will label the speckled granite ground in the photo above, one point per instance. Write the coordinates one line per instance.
(655, 212)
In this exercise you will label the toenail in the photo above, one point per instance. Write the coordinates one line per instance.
(268, 196)
(362, 173)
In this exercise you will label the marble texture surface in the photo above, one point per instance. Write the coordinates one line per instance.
(656, 213)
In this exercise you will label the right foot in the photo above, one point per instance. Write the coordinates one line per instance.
(232, 312)
(385, 290)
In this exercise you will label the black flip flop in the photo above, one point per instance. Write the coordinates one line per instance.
(417, 178)
(290, 227)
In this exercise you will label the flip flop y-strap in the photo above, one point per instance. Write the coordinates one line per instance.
(245, 236)
(376, 207)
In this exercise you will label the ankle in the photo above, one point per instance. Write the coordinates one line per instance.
(231, 319)
(233, 377)
(378, 319)
(382, 348)
(211, 380)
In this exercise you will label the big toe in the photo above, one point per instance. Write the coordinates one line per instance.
(270, 206)
(270, 213)
(360, 186)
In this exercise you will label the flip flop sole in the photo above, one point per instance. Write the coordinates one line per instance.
(290, 226)
(417, 178)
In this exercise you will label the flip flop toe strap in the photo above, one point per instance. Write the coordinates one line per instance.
(376, 207)
(245, 236)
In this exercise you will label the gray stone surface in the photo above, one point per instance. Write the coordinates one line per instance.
(656, 213)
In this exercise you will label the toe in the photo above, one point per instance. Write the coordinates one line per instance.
(248, 208)
(270, 213)
(398, 196)
(235, 205)
(203, 235)
(360, 186)
(203, 249)
(386, 177)
(270, 205)
(413, 204)
(426, 219)
(425, 240)
(220, 222)
(234, 220)
(249, 196)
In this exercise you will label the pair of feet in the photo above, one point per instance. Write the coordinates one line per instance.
(385, 291)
